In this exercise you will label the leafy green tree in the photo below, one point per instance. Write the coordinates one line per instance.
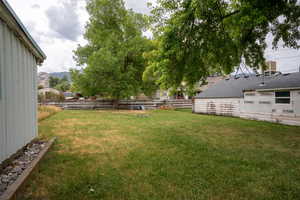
(53, 81)
(60, 84)
(113, 58)
(64, 79)
(197, 37)
(63, 86)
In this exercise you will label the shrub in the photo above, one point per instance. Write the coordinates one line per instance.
(50, 96)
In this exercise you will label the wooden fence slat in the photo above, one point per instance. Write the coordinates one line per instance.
(124, 104)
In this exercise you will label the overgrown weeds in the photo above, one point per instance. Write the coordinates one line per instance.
(47, 111)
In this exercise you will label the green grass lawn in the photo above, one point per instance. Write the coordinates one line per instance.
(172, 155)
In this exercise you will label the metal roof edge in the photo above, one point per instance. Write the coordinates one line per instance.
(24, 30)
(218, 97)
(277, 89)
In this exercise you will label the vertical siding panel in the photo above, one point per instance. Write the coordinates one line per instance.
(29, 74)
(2, 97)
(6, 87)
(22, 100)
(18, 94)
(10, 90)
(18, 98)
(29, 95)
(297, 102)
(14, 123)
(34, 95)
(26, 100)
(17, 140)
(22, 92)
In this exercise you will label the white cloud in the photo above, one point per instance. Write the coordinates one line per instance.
(288, 60)
(64, 20)
(36, 6)
(139, 5)
(57, 26)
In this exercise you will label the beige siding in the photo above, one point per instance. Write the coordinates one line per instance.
(297, 102)
(229, 106)
(262, 106)
(254, 105)
(18, 94)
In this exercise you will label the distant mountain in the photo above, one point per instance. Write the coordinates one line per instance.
(43, 77)
(61, 75)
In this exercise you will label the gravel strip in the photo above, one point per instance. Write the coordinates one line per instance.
(15, 169)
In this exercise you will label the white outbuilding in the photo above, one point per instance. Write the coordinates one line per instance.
(19, 58)
(274, 98)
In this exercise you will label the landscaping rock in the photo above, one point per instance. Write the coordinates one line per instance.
(12, 172)
(2, 188)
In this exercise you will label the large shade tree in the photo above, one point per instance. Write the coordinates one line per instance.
(113, 58)
(197, 37)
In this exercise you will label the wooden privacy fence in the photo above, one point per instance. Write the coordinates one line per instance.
(129, 104)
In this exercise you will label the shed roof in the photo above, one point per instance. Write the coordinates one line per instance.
(282, 81)
(8, 15)
(234, 88)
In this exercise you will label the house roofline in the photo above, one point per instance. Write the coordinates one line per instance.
(273, 89)
(218, 97)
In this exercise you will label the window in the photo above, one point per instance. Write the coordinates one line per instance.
(288, 111)
(283, 97)
(266, 93)
(264, 102)
(249, 102)
(250, 94)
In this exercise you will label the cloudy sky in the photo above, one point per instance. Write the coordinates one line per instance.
(58, 26)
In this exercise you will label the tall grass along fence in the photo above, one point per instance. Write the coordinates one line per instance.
(125, 104)
(45, 111)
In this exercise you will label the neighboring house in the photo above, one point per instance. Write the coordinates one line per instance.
(200, 87)
(273, 98)
(19, 57)
(211, 80)
(49, 90)
(68, 94)
(43, 79)
(162, 95)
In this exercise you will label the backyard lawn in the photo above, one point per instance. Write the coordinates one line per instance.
(173, 155)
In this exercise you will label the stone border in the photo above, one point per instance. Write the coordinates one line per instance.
(12, 190)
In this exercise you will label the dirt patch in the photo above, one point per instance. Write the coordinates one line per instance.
(107, 141)
(73, 122)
